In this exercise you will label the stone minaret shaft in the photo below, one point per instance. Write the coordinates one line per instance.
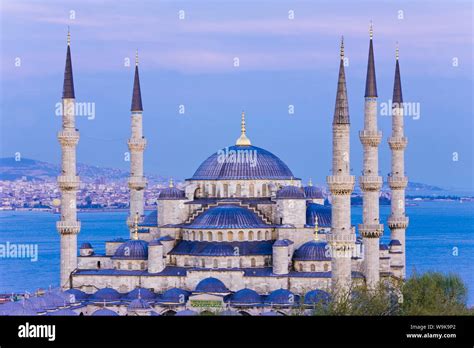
(68, 182)
(370, 182)
(398, 222)
(136, 145)
(341, 184)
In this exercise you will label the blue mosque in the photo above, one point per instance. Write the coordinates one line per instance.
(243, 235)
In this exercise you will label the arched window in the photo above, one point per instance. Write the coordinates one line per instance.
(313, 267)
(229, 263)
(194, 235)
(203, 263)
(142, 265)
(264, 190)
(213, 190)
(200, 235)
(230, 236)
(267, 235)
(238, 190)
(251, 235)
(186, 261)
(118, 265)
(226, 190)
(252, 262)
(214, 263)
(300, 267)
(219, 236)
(129, 265)
(251, 190)
(326, 267)
(259, 235)
(241, 235)
(209, 236)
(241, 263)
(98, 264)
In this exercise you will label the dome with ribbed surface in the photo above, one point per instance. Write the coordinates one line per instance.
(79, 295)
(323, 213)
(174, 295)
(317, 296)
(227, 216)
(138, 304)
(171, 193)
(290, 192)
(144, 293)
(107, 294)
(211, 285)
(132, 250)
(242, 163)
(313, 192)
(282, 297)
(312, 251)
(86, 245)
(246, 296)
(105, 312)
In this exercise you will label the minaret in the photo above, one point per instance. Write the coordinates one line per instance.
(370, 182)
(68, 182)
(243, 140)
(136, 145)
(341, 184)
(398, 222)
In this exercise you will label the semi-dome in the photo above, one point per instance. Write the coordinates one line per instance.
(317, 296)
(312, 251)
(322, 212)
(281, 297)
(104, 312)
(86, 245)
(174, 295)
(246, 296)
(134, 249)
(211, 285)
(106, 294)
(227, 216)
(242, 163)
(313, 192)
(290, 192)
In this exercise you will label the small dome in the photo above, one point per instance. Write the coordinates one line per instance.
(54, 300)
(317, 296)
(78, 295)
(86, 245)
(211, 285)
(174, 295)
(290, 192)
(140, 293)
(282, 297)
(322, 212)
(132, 250)
(186, 312)
(227, 216)
(264, 166)
(282, 243)
(65, 312)
(312, 251)
(313, 192)
(383, 246)
(246, 296)
(105, 312)
(138, 304)
(107, 294)
(36, 303)
(394, 242)
(171, 193)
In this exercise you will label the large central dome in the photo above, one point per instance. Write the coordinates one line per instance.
(242, 163)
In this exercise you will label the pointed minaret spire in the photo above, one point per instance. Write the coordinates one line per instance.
(68, 86)
(137, 95)
(397, 86)
(243, 140)
(341, 112)
(370, 82)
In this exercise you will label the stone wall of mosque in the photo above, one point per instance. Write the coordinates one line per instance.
(291, 212)
(172, 211)
(94, 262)
(298, 236)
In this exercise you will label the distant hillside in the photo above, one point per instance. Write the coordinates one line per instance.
(43, 171)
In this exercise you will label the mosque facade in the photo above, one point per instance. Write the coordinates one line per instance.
(242, 234)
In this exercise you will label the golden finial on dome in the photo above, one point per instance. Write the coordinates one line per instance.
(136, 57)
(243, 140)
(135, 227)
(342, 47)
(68, 37)
(310, 183)
(397, 53)
(371, 30)
(171, 184)
(316, 228)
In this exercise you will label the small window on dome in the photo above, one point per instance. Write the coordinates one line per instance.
(313, 267)
(326, 267)
(300, 267)
(253, 262)
(229, 263)
(259, 235)
(214, 264)
(219, 236)
(251, 235)
(200, 235)
(209, 236)
(241, 235)
(230, 236)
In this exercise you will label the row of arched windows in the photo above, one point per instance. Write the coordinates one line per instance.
(129, 266)
(215, 190)
(311, 268)
(230, 236)
(195, 262)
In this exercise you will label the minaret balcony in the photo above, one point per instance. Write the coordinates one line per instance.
(68, 182)
(68, 137)
(370, 182)
(68, 227)
(397, 182)
(397, 143)
(136, 182)
(137, 144)
(370, 138)
(341, 184)
(398, 222)
(371, 230)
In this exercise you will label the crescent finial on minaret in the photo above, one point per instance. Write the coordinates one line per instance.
(68, 36)
(136, 57)
(371, 30)
(171, 184)
(397, 51)
(342, 47)
(243, 140)
(310, 183)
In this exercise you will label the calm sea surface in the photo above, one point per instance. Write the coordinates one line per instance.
(440, 238)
